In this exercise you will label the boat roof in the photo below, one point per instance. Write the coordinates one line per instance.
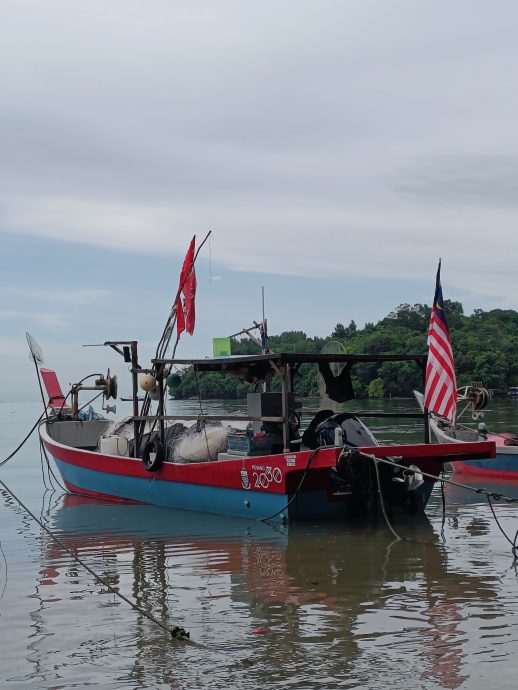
(292, 358)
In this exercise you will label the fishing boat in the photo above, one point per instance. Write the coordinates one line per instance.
(259, 465)
(471, 400)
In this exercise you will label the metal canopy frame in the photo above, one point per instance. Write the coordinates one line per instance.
(285, 365)
(224, 363)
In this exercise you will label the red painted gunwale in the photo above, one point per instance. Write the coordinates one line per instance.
(227, 473)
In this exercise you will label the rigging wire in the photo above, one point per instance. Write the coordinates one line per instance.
(164, 341)
(201, 410)
(211, 240)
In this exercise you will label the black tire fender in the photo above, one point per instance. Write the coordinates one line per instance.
(153, 455)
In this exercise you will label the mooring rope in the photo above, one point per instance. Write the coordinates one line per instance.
(176, 632)
(488, 494)
(495, 496)
(299, 487)
(513, 542)
(6, 572)
(380, 492)
(6, 460)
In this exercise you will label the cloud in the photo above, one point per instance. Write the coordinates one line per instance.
(46, 320)
(67, 296)
(343, 140)
(479, 181)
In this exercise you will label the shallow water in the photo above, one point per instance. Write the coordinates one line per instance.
(336, 606)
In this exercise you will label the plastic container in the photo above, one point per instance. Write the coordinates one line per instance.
(114, 445)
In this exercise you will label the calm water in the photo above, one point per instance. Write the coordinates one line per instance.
(342, 606)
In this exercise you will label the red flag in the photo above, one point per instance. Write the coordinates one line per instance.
(189, 291)
(185, 319)
(440, 394)
(180, 317)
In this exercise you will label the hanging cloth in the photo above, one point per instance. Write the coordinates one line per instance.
(338, 388)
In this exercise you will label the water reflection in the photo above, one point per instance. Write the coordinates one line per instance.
(346, 600)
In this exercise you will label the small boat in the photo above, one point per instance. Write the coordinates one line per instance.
(512, 392)
(261, 465)
(472, 399)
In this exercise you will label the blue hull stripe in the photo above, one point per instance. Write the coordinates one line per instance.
(308, 505)
(503, 462)
(236, 502)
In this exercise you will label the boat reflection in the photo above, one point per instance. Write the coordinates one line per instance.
(329, 596)
(461, 496)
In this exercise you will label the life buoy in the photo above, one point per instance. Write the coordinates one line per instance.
(153, 455)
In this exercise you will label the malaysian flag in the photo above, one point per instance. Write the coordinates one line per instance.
(440, 391)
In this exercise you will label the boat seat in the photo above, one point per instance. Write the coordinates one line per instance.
(56, 398)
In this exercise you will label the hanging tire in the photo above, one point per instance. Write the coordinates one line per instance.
(153, 455)
(481, 398)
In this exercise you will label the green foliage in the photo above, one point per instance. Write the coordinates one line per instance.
(484, 345)
(376, 388)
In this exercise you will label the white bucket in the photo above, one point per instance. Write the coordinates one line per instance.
(114, 445)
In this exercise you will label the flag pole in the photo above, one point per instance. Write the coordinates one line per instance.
(164, 341)
(440, 389)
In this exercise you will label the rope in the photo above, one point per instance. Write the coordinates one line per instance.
(176, 632)
(42, 466)
(36, 424)
(470, 428)
(6, 571)
(485, 492)
(489, 494)
(389, 525)
(6, 460)
(299, 487)
(512, 542)
(52, 476)
(443, 501)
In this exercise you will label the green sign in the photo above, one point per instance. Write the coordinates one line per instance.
(221, 347)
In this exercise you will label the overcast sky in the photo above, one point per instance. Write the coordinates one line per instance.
(336, 149)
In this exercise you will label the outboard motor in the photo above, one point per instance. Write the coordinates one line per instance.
(344, 429)
(351, 478)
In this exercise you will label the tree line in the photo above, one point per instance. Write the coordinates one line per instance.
(485, 347)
